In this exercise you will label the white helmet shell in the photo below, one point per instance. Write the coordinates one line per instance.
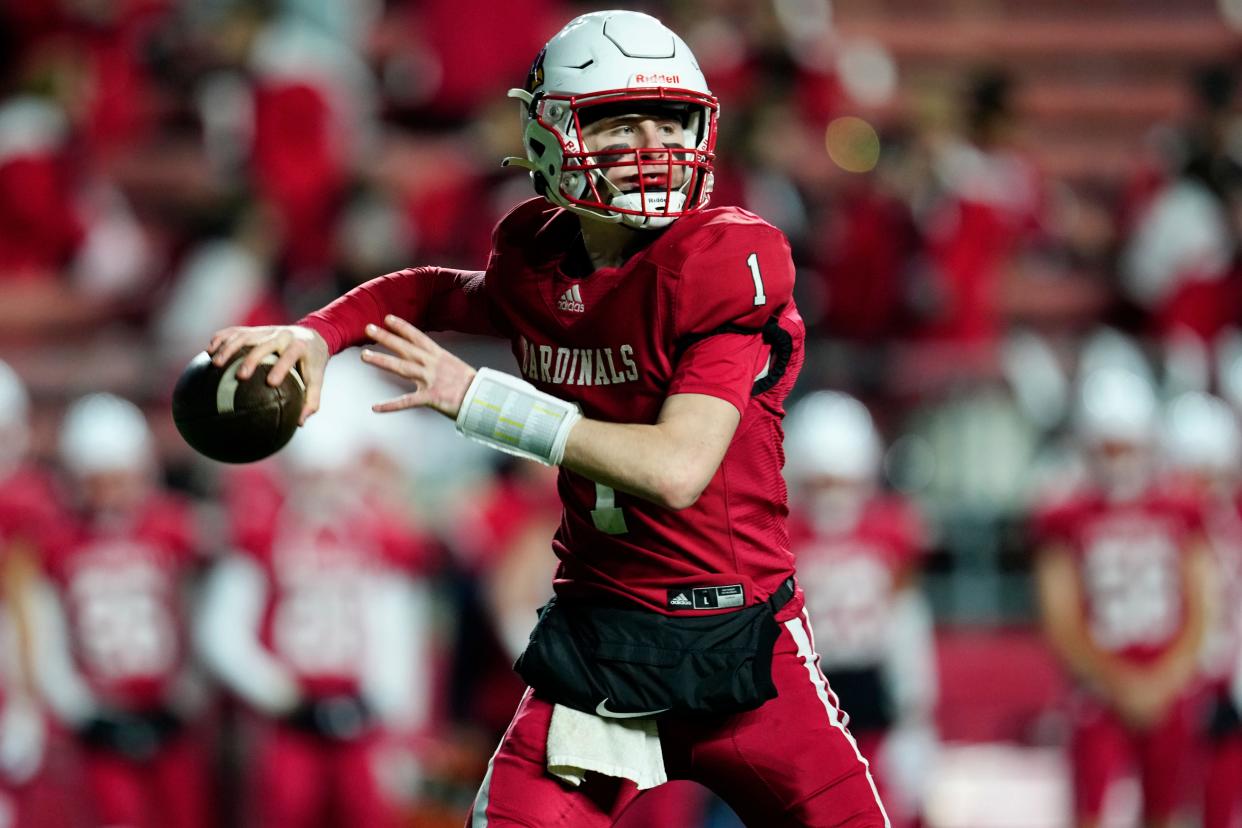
(1201, 434)
(14, 418)
(345, 429)
(830, 434)
(104, 433)
(618, 59)
(1116, 405)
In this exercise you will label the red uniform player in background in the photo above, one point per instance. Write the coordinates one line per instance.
(858, 553)
(501, 537)
(1205, 449)
(111, 625)
(1122, 573)
(319, 621)
(27, 513)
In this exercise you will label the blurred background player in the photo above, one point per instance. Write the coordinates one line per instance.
(27, 513)
(501, 538)
(858, 552)
(111, 623)
(319, 621)
(1122, 575)
(1204, 448)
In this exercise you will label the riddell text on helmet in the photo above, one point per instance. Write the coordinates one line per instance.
(654, 79)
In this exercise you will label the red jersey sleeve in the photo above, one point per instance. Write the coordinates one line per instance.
(723, 366)
(906, 530)
(431, 298)
(1053, 523)
(252, 500)
(1190, 515)
(728, 289)
(741, 275)
(171, 520)
(406, 548)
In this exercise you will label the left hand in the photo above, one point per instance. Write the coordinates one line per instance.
(440, 378)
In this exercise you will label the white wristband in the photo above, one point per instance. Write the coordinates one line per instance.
(511, 415)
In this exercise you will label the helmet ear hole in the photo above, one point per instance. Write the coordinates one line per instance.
(541, 184)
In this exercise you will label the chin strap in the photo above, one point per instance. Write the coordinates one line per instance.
(515, 161)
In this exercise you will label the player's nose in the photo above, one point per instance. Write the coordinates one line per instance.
(649, 131)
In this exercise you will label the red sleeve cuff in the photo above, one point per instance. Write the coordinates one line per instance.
(722, 366)
(738, 401)
(325, 329)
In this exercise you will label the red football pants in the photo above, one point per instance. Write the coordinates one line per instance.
(1222, 793)
(301, 777)
(789, 763)
(169, 791)
(676, 804)
(1102, 748)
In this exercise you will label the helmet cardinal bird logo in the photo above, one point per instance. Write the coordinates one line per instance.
(534, 78)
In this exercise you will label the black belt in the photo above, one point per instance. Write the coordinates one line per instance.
(783, 595)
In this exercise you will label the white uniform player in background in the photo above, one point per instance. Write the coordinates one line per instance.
(858, 552)
(319, 619)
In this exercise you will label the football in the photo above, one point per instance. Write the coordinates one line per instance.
(232, 420)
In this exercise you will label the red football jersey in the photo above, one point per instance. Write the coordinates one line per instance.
(682, 315)
(1130, 564)
(1223, 522)
(319, 565)
(27, 508)
(853, 576)
(121, 589)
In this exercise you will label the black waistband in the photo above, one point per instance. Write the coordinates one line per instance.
(783, 595)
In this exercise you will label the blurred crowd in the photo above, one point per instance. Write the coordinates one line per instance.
(1032, 431)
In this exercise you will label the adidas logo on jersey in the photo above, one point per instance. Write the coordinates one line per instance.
(681, 599)
(571, 300)
(727, 596)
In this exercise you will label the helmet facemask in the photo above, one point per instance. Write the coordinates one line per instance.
(669, 181)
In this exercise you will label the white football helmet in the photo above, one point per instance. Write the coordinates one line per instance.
(1201, 434)
(627, 62)
(830, 434)
(1116, 405)
(104, 433)
(14, 419)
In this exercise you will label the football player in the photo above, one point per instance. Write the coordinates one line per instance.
(111, 624)
(1122, 572)
(317, 622)
(858, 552)
(656, 340)
(1205, 449)
(27, 513)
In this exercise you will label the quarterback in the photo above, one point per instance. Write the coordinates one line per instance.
(656, 341)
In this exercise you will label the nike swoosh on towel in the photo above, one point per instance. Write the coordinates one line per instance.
(602, 710)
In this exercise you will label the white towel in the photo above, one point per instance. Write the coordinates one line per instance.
(625, 748)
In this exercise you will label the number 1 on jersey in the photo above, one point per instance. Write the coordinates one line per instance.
(753, 262)
(607, 516)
